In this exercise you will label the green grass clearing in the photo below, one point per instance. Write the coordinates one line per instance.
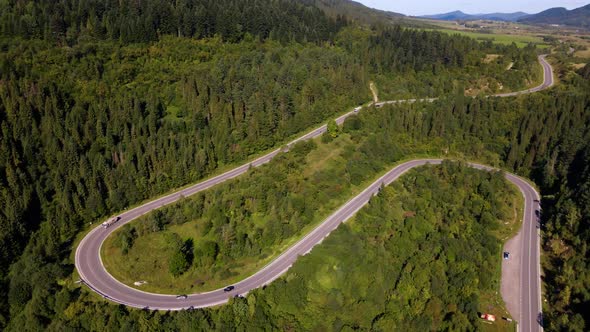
(519, 40)
(148, 258)
(153, 267)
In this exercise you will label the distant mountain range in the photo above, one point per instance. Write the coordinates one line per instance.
(359, 12)
(575, 17)
(459, 15)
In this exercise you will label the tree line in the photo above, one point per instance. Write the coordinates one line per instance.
(68, 21)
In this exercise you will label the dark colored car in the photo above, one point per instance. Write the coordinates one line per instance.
(506, 255)
(228, 289)
(181, 297)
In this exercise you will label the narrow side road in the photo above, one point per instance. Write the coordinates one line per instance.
(548, 82)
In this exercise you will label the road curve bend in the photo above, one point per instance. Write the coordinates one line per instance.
(93, 273)
(548, 82)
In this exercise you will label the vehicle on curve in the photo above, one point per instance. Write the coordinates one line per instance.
(181, 297)
(229, 289)
(110, 222)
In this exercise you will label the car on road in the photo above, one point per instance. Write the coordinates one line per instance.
(181, 297)
(110, 222)
(506, 255)
(228, 289)
(536, 201)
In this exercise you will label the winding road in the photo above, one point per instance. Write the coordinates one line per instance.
(93, 273)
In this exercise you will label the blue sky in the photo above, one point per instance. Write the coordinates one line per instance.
(425, 7)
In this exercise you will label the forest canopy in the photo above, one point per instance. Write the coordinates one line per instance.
(106, 103)
(69, 21)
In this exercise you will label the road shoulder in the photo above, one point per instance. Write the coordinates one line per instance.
(511, 277)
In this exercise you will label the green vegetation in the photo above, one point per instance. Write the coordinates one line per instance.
(414, 230)
(248, 221)
(396, 262)
(374, 130)
(106, 103)
(518, 39)
(357, 11)
(453, 126)
(240, 225)
(101, 124)
(73, 21)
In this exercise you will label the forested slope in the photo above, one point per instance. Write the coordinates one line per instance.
(70, 21)
(399, 263)
(86, 134)
(357, 11)
(542, 136)
(104, 104)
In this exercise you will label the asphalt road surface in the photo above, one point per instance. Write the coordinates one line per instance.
(521, 273)
(93, 273)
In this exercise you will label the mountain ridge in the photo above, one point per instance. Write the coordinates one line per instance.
(559, 15)
(459, 15)
(354, 10)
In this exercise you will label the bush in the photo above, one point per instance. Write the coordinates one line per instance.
(182, 258)
(126, 237)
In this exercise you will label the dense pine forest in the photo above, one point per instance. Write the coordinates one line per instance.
(106, 103)
(69, 21)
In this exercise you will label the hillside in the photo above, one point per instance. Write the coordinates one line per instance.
(98, 114)
(575, 17)
(459, 15)
(451, 16)
(107, 103)
(356, 11)
(129, 21)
